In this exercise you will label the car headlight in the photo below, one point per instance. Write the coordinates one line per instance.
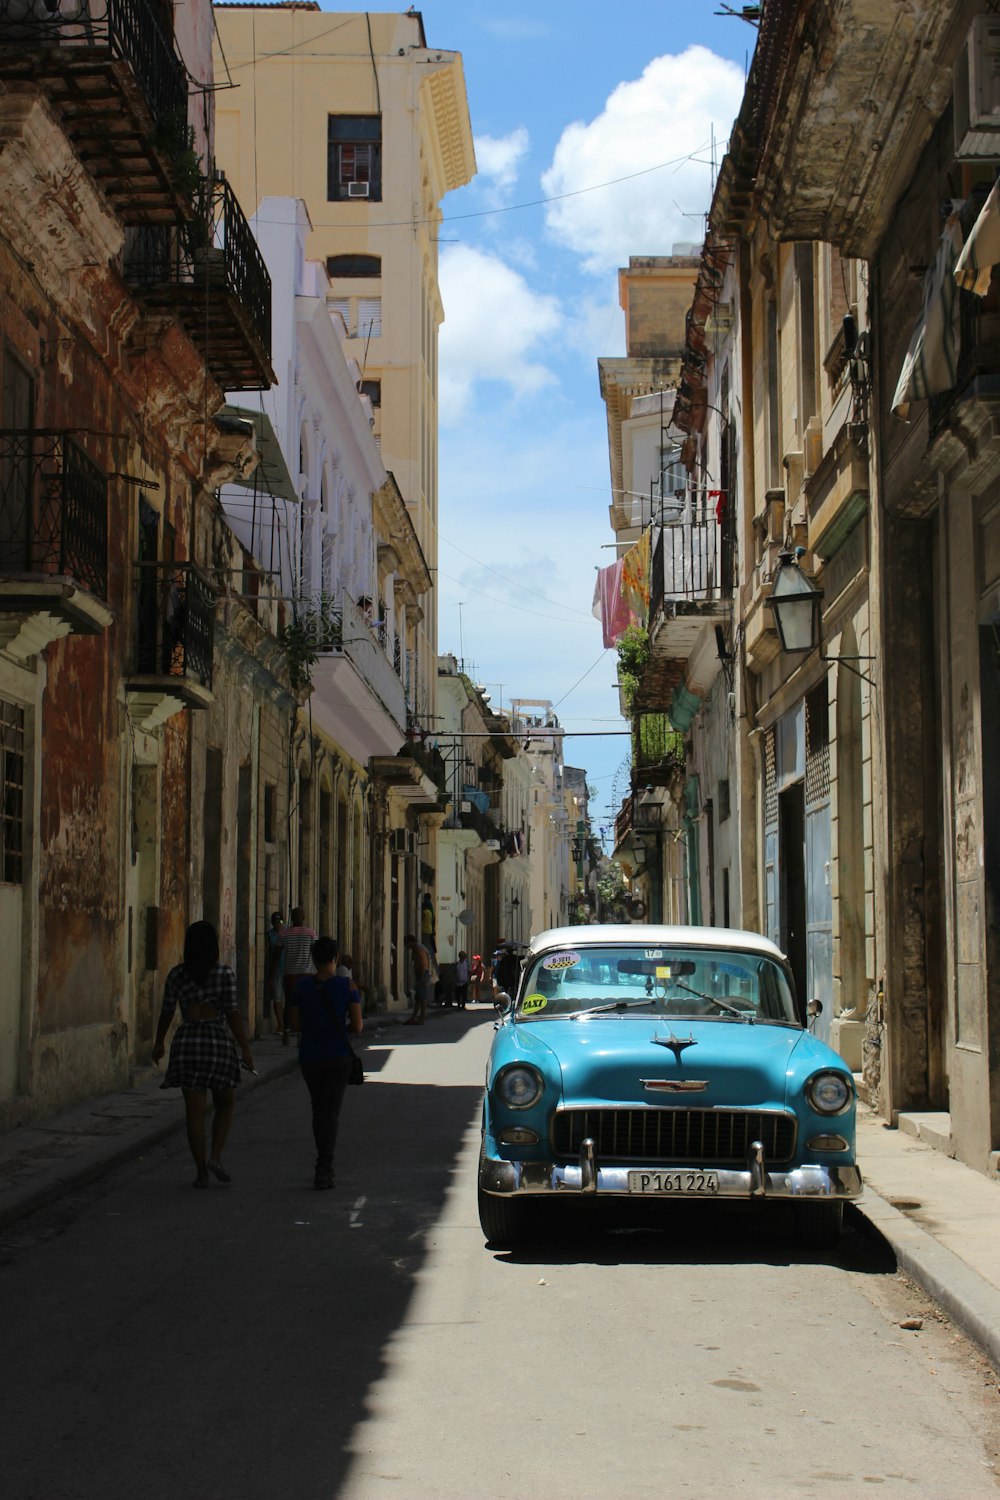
(519, 1086)
(829, 1093)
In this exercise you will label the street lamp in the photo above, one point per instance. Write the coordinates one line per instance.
(796, 603)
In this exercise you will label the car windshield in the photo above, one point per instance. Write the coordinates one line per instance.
(689, 983)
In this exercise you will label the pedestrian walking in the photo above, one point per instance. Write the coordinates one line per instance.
(462, 980)
(274, 972)
(421, 961)
(202, 1053)
(477, 973)
(296, 940)
(323, 1009)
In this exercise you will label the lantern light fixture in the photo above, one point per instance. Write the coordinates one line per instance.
(796, 603)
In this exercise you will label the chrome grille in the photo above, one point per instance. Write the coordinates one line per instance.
(674, 1135)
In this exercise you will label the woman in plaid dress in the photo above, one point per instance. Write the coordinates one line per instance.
(202, 1054)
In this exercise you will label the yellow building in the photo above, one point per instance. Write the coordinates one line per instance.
(356, 115)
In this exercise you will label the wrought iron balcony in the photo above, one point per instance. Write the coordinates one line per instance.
(657, 750)
(53, 509)
(53, 540)
(174, 630)
(113, 78)
(210, 275)
(691, 580)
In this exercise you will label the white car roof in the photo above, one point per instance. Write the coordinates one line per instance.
(646, 934)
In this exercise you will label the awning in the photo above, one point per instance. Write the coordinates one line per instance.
(271, 474)
(981, 251)
(931, 360)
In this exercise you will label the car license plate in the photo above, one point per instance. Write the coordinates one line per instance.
(682, 1180)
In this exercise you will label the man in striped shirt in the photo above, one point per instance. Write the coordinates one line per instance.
(296, 943)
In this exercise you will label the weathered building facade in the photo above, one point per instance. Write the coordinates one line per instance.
(133, 298)
(838, 378)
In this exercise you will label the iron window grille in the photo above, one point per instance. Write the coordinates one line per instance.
(53, 509)
(11, 793)
(354, 157)
(175, 622)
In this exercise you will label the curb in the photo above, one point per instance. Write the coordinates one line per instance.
(972, 1303)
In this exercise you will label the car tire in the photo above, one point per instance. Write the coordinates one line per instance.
(505, 1221)
(819, 1225)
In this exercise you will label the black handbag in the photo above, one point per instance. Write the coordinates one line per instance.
(357, 1073)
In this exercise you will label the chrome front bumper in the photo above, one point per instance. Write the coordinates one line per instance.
(509, 1178)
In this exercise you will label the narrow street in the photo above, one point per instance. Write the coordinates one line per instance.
(268, 1340)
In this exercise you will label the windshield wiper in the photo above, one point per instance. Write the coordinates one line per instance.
(596, 1010)
(734, 1010)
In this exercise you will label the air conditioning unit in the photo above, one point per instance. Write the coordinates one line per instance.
(977, 92)
(358, 189)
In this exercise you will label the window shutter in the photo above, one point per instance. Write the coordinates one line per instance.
(369, 317)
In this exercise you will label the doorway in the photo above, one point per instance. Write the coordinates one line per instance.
(792, 867)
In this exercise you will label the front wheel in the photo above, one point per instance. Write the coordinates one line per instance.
(505, 1221)
(819, 1225)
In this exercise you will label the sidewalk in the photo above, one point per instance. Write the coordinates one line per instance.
(42, 1161)
(941, 1219)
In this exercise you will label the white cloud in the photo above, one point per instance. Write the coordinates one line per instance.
(494, 324)
(524, 516)
(666, 114)
(498, 157)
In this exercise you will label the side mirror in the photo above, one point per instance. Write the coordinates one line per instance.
(503, 1002)
(814, 1009)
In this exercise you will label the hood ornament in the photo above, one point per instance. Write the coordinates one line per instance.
(674, 1085)
(676, 1044)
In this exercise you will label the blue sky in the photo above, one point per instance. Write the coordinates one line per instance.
(563, 98)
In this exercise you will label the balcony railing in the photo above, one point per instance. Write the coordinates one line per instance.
(336, 626)
(657, 748)
(211, 276)
(53, 510)
(114, 79)
(481, 823)
(624, 819)
(690, 561)
(175, 623)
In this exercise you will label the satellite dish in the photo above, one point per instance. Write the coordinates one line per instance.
(466, 917)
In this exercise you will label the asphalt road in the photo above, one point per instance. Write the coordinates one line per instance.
(268, 1342)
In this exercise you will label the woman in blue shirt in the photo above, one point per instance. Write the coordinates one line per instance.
(324, 1009)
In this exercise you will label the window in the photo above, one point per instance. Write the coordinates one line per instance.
(369, 325)
(772, 354)
(804, 277)
(11, 792)
(354, 157)
(373, 390)
(723, 799)
(353, 265)
(362, 315)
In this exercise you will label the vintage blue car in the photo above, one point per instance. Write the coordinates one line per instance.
(662, 1062)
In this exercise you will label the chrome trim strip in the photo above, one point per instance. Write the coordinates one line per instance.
(674, 1085)
(507, 1178)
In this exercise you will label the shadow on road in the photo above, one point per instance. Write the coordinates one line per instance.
(689, 1234)
(162, 1342)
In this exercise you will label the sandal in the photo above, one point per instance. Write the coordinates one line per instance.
(218, 1170)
